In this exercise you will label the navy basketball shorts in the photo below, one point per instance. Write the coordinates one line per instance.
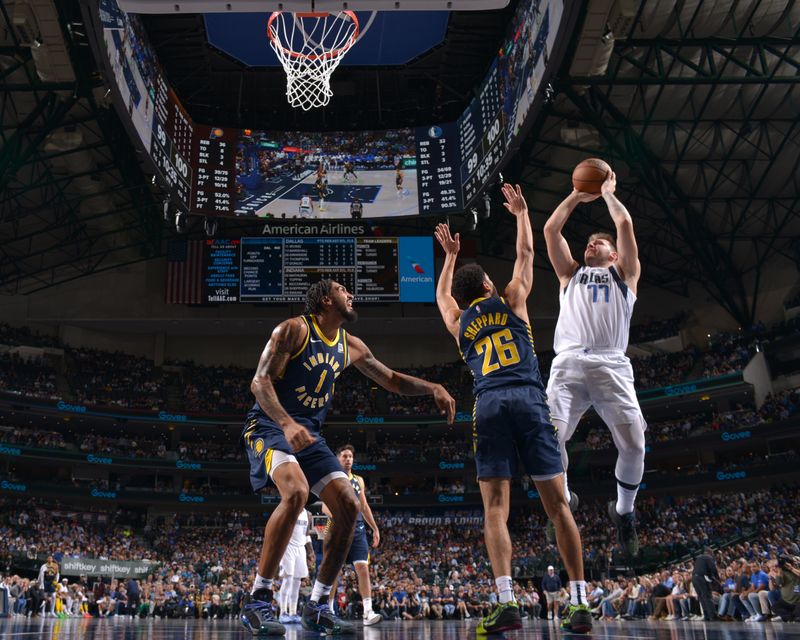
(267, 449)
(359, 550)
(513, 424)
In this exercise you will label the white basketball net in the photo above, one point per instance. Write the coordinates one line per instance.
(310, 47)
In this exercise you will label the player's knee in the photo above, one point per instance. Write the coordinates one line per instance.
(296, 495)
(347, 508)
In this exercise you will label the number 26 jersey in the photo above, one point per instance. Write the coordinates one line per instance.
(497, 346)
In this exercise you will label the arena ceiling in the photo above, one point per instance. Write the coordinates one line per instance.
(694, 102)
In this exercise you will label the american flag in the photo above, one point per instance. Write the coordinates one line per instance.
(184, 272)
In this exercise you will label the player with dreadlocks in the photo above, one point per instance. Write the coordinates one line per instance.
(293, 388)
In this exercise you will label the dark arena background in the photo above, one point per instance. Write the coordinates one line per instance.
(163, 208)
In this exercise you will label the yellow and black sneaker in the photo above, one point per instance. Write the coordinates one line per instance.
(578, 619)
(504, 618)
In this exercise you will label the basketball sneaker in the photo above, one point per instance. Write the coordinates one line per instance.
(258, 616)
(504, 618)
(578, 619)
(550, 528)
(317, 616)
(372, 618)
(626, 529)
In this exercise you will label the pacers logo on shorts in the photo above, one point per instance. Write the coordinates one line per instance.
(259, 446)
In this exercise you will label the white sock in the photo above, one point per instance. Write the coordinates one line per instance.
(625, 499)
(261, 583)
(505, 589)
(577, 592)
(367, 607)
(320, 591)
(566, 487)
(294, 595)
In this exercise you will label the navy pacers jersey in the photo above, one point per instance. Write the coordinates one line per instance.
(306, 388)
(497, 346)
(354, 480)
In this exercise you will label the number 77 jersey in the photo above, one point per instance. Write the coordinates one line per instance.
(497, 346)
(596, 309)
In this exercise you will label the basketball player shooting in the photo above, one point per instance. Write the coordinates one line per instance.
(512, 420)
(293, 387)
(590, 367)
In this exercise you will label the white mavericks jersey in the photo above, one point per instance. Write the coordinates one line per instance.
(300, 531)
(596, 309)
(305, 202)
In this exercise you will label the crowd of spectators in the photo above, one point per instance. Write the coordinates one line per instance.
(30, 376)
(776, 407)
(101, 378)
(39, 438)
(25, 336)
(651, 329)
(206, 561)
(397, 446)
(115, 379)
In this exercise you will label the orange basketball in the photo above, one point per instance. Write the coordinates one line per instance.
(590, 175)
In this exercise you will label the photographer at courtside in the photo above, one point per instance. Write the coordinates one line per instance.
(788, 607)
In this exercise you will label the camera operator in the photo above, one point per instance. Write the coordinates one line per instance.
(788, 606)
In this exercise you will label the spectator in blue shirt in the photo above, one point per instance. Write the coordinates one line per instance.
(551, 585)
(749, 596)
(727, 606)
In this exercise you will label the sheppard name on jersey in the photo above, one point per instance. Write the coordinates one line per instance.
(485, 320)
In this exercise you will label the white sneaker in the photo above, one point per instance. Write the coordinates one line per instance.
(372, 618)
(671, 617)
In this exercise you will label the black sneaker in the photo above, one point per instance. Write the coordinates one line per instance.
(550, 528)
(258, 617)
(504, 618)
(578, 619)
(317, 616)
(626, 529)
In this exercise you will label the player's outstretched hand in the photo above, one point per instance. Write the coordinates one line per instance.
(298, 437)
(610, 185)
(445, 403)
(515, 201)
(376, 538)
(450, 244)
(583, 196)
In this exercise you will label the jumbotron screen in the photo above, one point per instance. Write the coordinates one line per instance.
(213, 169)
(267, 270)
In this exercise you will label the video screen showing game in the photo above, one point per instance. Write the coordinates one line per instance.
(284, 174)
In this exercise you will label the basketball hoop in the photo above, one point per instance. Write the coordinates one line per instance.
(310, 46)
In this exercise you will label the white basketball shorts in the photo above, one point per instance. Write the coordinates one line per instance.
(604, 380)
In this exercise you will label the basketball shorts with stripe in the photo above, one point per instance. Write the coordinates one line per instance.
(267, 449)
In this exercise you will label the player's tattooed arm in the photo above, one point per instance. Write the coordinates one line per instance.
(285, 340)
(363, 359)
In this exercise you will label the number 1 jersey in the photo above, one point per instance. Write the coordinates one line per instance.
(596, 309)
(497, 346)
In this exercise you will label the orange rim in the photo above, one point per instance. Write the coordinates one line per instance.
(330, 54)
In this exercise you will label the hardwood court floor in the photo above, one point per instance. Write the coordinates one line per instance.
(124, 628)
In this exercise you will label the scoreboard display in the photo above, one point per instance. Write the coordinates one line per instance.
(265, 270)
(437, 169)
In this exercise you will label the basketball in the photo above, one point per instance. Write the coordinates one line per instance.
(590, 175)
